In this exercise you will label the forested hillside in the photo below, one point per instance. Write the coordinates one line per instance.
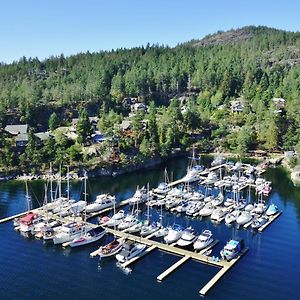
(255, 63)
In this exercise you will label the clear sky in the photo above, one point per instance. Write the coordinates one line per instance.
(50, 27)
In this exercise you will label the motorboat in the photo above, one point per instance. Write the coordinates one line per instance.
(139, 196)
(249, 207)
(218, 214)
(194, 208)
(211, 178)
(88, 237)
(244, 218)
(175, 193)
(218, 200)
(203, 240)
(162, 189)
(258, 222)
(162, 232)
(259, 208)
(135, 227)
(102, 201)
(182, 207)
(174, 234)
(206, 210)
(127, 222)
(240, 204)
(77, 207)
(272, 210)
(193, 174)
(208, 199)
(196, 196)
(171, 202)
(219, 160)
(232, 249)
(187, 238)
(150, 228)
(110, 249)
(70, 231)
(229, 202)
(130, 250)
(231, 217)
(116, 219)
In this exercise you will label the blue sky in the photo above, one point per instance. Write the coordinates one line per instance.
(50, 27)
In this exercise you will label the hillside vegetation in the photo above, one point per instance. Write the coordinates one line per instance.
(255, 63)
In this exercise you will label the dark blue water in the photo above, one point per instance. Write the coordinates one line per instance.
(30, 269)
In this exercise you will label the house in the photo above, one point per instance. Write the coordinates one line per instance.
(237, 106)
(128, 101)
(126, 125)
(43, 136)
(22, 140)
(98, 137)
(93, 121)
(15, 130)
(138, 107)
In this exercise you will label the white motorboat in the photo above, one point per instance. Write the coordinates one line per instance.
(88, 237)
(218, 214)
(218, 200)
(206, 210)
(272, 210)
(110, 249)
(229, 202)
(29, 221)
(194, 208)
(196, 196)
(240, 204)
(171, 202)
(129, 250)
(259, 208)
(219, 160)
(77, 207)
(258, 222)
(102, 201)
(244, 218)
(203, 240)
(231, 217)
(249, 207)
(70, 232)
(175, 193)
(187, 238)
(140, 196)
(127, 222)
(208, 199)
(116, 219)
(182, 207)
(174, 234)
(136, 227)
(162, 189)
(232, 249)
(149, 229)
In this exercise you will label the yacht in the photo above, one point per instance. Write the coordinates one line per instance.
(135, 227)
(109, 249)
(232, 249)
(219, 160)
(218, 200)
(182, 207)
(244, 218)
(127, 222)
(139, 196)
(129, 250)
(116, 219)
(88, 237)
(187, 238)
(259, 208)
(162, 232)
(231, 217)
(258, 222)
(218, 214)
(249, 207)
(229, 202)
(193, 174)
(175, 193)
(70, 232)
(162, 189)
(102, 201)
(149, 229)
(174, 234)
(171, 202)
(194, 208)
(272, 210)
(206, 210)
(204, 239)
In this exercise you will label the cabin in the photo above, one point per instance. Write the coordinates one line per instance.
(237, 106)
(138, 107)
(41, 137)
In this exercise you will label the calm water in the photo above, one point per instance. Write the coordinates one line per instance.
(32, 270)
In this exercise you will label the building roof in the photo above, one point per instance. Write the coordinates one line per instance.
(22, 137)
(16, 129)
(126, 124)
(43, 136)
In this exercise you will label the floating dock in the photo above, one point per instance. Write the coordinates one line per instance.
(173, 268)
(271, 219)
(221, 273)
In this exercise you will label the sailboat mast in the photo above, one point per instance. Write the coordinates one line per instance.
(68, 184)
(28, 200)
(51, 183)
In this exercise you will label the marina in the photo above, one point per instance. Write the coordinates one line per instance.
(205, 256)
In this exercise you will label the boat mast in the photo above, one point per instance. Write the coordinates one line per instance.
(51, 182)
(68, 184)
(148, 206)
(85, 199)
(27, 197)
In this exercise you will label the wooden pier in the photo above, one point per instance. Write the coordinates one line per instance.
(271, 219)
(173, 268)
(221, 273)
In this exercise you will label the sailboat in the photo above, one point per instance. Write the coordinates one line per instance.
(193, 170)
(163, 187)
(87, 237)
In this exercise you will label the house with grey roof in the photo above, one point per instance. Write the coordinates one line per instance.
(22, 140)
(14, 130)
